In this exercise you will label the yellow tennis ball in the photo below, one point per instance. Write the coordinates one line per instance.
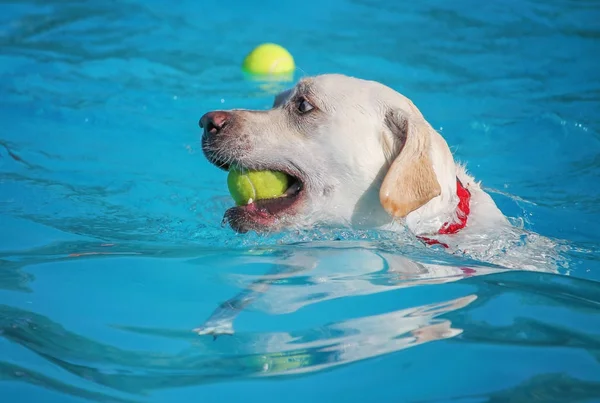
(255, 185)
(269, 58)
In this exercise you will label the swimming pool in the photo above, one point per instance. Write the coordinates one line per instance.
(111, 248)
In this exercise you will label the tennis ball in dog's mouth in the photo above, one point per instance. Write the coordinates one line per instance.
(247, 186)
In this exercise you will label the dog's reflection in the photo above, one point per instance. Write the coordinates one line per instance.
(357, 339)
(262, 354)
(302, 276)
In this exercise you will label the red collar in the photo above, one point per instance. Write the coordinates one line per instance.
(462, 212)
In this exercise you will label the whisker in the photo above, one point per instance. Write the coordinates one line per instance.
(304, 73)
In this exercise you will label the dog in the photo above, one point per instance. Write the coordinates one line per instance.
(359, 155)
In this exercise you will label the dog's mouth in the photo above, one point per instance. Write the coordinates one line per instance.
(264, 214)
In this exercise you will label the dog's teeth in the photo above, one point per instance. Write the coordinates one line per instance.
(295, 188)
(250, 201)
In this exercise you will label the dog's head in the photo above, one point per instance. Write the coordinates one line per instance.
(359, 153)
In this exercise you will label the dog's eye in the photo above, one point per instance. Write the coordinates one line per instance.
(304, 106)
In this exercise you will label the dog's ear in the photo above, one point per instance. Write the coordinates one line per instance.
(410, 182)
(282, 98)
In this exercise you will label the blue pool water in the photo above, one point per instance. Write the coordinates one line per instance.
(112, 252)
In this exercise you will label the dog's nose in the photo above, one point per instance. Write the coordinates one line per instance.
(214, 122)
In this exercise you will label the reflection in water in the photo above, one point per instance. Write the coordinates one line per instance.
(301, 276)
(308, 274)
(264, 354)
(249, 355)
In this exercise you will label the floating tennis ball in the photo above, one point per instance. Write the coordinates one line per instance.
(247, 186)
(269, 58)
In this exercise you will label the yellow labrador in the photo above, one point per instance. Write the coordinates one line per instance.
(360, 154)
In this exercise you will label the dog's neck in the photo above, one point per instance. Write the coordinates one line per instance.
(463, 209)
